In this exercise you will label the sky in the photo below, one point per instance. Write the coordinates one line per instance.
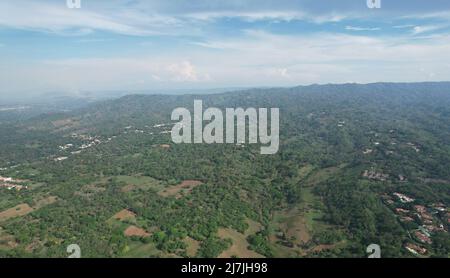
(45, 46)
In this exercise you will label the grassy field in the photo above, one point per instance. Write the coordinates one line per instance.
(139, 250)
(180, 190)
(292, 229)
(239, 247)
(140, 182)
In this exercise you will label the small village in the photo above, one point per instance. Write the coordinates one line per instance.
(89, 141)
(428, 220)
(10, 183)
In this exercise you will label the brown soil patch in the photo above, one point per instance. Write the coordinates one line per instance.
(33, 246)
(165, 146)
(239, 248)
(16, 211)
(128, 188)
(178, 190)
(192, 246)
(24, 209)
(124, 215)
(136, 231)
(322, 247)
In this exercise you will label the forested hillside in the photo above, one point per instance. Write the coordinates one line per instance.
(357, 164)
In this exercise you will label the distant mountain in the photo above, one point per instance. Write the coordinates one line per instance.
(147, 109)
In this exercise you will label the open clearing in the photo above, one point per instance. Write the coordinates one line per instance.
(139, 250)
(45, 202)
(19, 210)
(139, 182)
(239, 247)
(253, 227)
(135, 231)
(292, 224)
(148, 250)
(181, 189)
(192, 246)
(294, 227)
(315, 177)
(124, 215)
(65, 124)
(24, 209)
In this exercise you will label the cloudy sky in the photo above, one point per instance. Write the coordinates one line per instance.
(169, 44)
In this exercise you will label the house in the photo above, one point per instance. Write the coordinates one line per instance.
(65, 147)
(403, 198)
(4, 179)
(439, 207)
(406, 219)
(61, 158)
(422, 237)
(400, 210)
(433, 228)
(415, 249)
(420, 209)
(10, 186)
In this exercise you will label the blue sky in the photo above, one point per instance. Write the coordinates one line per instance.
(172, 44)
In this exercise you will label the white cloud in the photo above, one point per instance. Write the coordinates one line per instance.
(441, 15)
(427, 28)
(58, 19)
(252, 16)
(185, 71)
(125, 19)
(258, 59)
(249, 58)
(403, 26)
(355, 28)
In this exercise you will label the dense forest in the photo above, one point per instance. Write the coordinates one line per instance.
(357, 165)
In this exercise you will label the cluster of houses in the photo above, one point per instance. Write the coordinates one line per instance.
(93, 141)
(373, 175)
(412, 145)
(130, 129)
(341, 123)
(10, 183)
(429, 218)
(164, 127)
(90, 144)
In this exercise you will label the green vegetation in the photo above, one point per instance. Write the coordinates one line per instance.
(329, 192)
